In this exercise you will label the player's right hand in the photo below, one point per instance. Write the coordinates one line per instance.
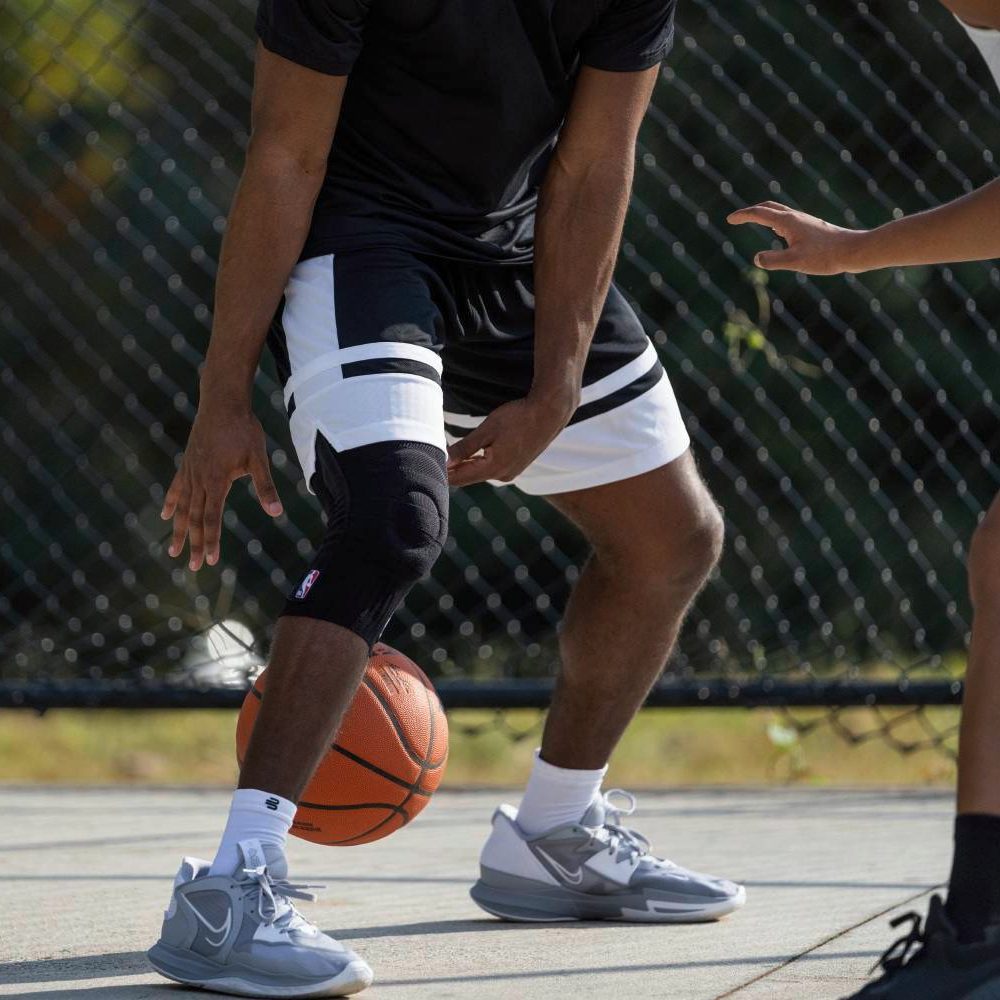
(814, 246)
(224, 445)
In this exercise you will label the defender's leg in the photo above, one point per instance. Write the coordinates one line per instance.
(974, 896)
(979, 753)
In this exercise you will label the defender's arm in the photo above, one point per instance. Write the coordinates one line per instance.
(967, 228)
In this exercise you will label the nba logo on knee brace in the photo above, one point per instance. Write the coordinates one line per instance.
(306, 585)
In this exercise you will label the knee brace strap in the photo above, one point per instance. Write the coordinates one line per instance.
(387, 518)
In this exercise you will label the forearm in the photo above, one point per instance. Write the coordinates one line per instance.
(577, 233)
(267, 227)
(961, 230)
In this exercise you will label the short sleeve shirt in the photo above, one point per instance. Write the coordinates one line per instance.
(452, 109)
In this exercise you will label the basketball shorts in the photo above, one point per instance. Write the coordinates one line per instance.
(386, 345)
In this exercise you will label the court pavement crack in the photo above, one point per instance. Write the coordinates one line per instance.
(825, 941)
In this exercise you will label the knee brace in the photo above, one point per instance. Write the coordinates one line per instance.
(387, 518)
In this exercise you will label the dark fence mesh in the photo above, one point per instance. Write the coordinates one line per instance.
(846, 424)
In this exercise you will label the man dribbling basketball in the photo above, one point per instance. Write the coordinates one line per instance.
(437, 189)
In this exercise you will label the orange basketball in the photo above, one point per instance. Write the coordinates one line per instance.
(387, 760)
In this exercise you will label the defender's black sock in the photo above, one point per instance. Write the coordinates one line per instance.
(974, 893)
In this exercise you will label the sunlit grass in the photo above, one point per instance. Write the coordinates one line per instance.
(663, 747)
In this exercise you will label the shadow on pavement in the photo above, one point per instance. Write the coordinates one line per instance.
(52, 970)
(132, 963)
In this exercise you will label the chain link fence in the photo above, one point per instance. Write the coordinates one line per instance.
(847, 425)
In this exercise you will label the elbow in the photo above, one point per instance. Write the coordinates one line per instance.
(279, 161)
(593, 176)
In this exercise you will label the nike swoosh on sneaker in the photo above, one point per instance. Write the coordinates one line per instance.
(223, 931)
(573, 877)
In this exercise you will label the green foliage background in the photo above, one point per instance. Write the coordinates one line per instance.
(849, 432)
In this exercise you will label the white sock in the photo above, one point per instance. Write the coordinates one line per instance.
(253, 815)
(556, 796)
(987, 40)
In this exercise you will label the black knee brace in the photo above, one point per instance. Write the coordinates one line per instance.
(387, 518)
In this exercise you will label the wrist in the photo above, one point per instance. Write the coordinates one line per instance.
(561, 396)
(226, 390)
(861, 250)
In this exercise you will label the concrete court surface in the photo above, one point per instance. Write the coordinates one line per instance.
(84, 875)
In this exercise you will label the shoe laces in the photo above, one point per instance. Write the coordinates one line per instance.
(897, 954)
(622, 840)
(274, 899)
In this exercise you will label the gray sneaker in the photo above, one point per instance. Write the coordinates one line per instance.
(596, 869)
(242, 935)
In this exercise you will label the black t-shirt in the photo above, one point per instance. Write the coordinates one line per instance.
(451, 110)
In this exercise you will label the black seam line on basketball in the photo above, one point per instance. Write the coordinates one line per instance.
(365, 833)
(393, 811)
(356, 805)
(400, 808)
(619, 397)
(401, 782)
(410, 787)
(424, 762)
(432, 717)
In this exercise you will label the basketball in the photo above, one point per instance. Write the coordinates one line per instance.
(386, 762)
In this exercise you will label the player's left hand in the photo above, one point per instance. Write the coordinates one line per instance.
(814, 246)
(509, 439)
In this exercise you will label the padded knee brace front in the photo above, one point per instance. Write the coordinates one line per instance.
(387, 518)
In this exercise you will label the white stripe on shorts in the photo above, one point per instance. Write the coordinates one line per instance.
(641, 435)
(351, 412)
(618, 379)
(329, 364)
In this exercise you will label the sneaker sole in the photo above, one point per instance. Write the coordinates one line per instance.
(533, 902)
(192, 970)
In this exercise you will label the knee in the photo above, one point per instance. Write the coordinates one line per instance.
(696, 551)
(387, 519)
(676, 554)
(984, 560)
(399, 519)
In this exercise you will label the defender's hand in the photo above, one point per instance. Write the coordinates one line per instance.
(224, 445)
(814, 246)
(509, 439)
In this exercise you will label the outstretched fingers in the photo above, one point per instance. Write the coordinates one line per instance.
(768, 213)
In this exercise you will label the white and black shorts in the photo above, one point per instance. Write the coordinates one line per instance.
(387, 345)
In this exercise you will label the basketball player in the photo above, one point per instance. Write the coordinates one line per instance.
(956, 956)
(430, 213)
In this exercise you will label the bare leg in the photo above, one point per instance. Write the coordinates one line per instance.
(314, 671)
(978, 13)
(655, 539)
(979, 744)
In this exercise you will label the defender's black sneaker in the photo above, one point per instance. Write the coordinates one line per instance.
(930, 963)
